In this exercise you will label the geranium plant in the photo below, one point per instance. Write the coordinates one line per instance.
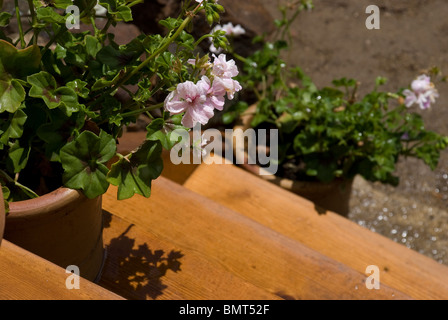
(329, 133)
(60, 114)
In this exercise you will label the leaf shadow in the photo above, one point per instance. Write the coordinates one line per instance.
(134, 270)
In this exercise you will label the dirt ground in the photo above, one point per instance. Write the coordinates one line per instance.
(332, 41)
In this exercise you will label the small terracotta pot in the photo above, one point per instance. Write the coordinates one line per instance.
(333, 196)
(2, 216)
(63, 226)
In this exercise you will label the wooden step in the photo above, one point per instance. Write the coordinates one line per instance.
(329, 234)
(141, 265)
(220, 253)
(25, 276)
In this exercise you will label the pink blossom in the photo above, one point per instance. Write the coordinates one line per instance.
(223, 68)
(423, 93)
(215, 94)
(226, 85)
(191, 99)
(198, 101)
(230, 29)
(223, 71)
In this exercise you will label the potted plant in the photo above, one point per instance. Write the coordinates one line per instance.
(66, 95)
(327, 136)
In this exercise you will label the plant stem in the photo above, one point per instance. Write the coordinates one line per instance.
(106, 27)
(156, 53)
(201, 39)
(135, 2)
(53, 39)
(19, 24)
(134, 112)
(18, 184)
(33, 21)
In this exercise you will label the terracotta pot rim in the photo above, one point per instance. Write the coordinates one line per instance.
(43, 205)
(2, 216)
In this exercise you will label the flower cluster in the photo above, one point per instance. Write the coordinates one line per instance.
(199, 100)
(230, 30)
(423, 93)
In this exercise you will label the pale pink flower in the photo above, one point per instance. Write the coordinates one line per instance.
(213, 49)
(230, 29)
(223, 71)
(198, 101)
(223, 68)
(191, 99)
(423, 93)
(215, 94)
(227, 86)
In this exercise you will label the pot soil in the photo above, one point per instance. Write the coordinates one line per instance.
(63, 226)
(333, 196)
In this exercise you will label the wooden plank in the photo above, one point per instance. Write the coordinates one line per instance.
(142, 266)
(332, 235)
(249, 250)
(26, 276)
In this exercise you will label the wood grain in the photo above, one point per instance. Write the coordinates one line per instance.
(25, 276)
(223, 239)
(143, 266)
(328, 233)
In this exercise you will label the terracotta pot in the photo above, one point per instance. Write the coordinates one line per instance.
(333, 196)
(2, 216)
(63, 226)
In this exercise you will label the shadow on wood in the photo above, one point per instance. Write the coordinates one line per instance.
(133, 268)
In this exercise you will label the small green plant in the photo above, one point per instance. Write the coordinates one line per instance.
(60, 115)
(329, 133)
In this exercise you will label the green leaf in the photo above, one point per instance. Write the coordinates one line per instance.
(17, 156)
(12, 95)
(47, 14)
(116, 59)
(15, 128)
(79, 87)
(114, 7)
(164, 132)
(102, 83)
(43, 85)
(135, 173)
(4, 18)
(19, 63)
(83, 161)
(170, 23)
(93, 46)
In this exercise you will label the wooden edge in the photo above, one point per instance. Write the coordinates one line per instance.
(26, 276)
